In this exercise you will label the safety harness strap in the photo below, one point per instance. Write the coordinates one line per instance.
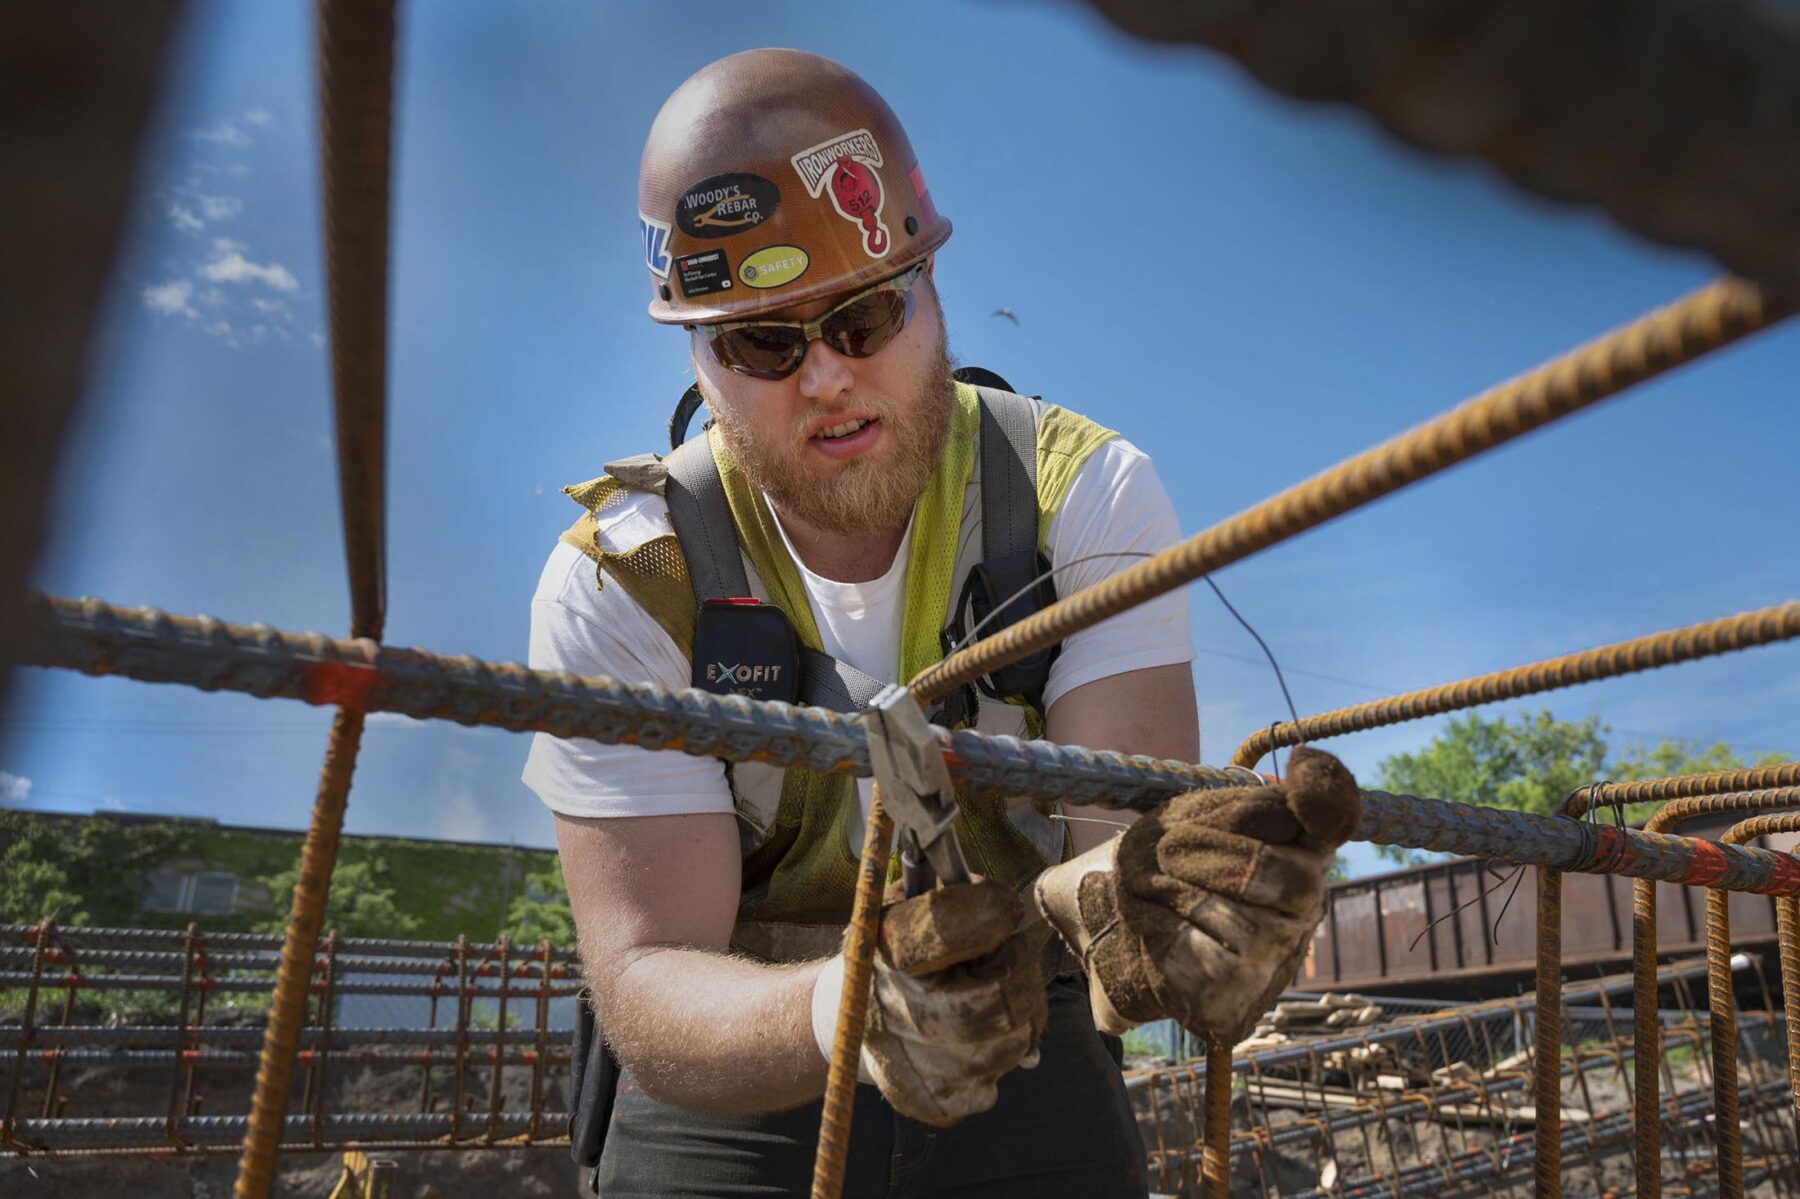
(1009, 505)
(702, 518)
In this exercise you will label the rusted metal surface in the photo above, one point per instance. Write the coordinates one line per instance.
(1470, 952)
(1722, 1003)
(356, 68)
(1415, 1103)
(1707, 319)
(1647, 1041)
(207, 1063)
(1679, 120)
(853, 1004)
(1781, 622)
(1547, 1047)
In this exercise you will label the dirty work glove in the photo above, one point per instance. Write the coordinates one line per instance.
(1202, 910)
(958, 1000)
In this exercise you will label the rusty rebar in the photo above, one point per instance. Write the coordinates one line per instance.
(356, 74)
(833, 1151)
(1646, 1032)
(1547, 1037)
(1779, 622)
(1713, 316)
(268, 1105)
(1787, 928)
(1722, 1004)
(1215, 1166)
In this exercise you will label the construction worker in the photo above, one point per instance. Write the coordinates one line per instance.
(851, 508)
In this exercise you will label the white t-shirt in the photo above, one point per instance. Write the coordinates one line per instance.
(1115, 503)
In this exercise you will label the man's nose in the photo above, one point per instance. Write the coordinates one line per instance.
(824, 373)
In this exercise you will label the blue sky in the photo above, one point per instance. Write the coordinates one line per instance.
(1248, 288)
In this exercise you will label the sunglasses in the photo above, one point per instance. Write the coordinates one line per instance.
(857, 328)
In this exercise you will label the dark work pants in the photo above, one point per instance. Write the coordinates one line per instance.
(1063, 1129)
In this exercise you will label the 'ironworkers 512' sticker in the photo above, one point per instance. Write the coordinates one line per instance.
(772, 266)
(847, 164)
(656, 245)
(703, 273)
(726, 204)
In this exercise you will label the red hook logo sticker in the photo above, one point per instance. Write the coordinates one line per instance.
(846, 164)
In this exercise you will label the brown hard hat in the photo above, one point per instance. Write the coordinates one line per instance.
(772, 178)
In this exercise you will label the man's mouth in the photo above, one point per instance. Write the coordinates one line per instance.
(835, 432)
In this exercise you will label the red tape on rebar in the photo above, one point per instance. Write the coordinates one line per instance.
(1706, 865)
(340, 684)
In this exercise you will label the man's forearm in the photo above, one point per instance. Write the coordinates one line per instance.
(715, 1033)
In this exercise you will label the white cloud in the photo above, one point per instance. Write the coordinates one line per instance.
(225, 133)
(171, 298)
(274, 308)
(318, 338)
(399, 718)
(259, 117)
(218, 208)
(183, 218)
(13, 787)
(231, 266)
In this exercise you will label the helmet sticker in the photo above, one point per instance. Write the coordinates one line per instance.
(773, 266)
(656, 245)
(703, 273)
(846, 165)
(726, 204)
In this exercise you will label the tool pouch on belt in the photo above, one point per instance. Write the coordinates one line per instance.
(593, 1084)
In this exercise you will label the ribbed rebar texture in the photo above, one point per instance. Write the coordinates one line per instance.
(1755, 778)
(1722, 1004)
(1547, 1037)
(1780, 622)
(1722, 1009)
(1705, 320)
(154, 647)
(356, 70)
(1678, 119)
(1646, 1033)
(833, 1152)
(263, 1133)
(1215, 1166)
(1787, 930)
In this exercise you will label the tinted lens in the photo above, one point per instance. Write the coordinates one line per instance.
(762, 351)
(862, 328)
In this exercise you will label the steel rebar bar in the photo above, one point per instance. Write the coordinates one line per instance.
(1653, 651)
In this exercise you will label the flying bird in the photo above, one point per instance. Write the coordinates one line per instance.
(1007, 313)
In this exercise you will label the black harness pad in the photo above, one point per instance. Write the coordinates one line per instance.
(746, 647)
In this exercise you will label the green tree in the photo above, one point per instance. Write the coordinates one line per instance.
(541, 909)
(1532, 762)
(1669, 758)
(87, 871)
(362, 902)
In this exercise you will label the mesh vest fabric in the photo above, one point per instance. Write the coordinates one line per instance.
(801, 870)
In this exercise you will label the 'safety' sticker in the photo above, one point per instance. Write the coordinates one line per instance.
(726, 204)
(773, 266)
(846, 165)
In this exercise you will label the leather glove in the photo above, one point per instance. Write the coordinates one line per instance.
(1203, 909)
(958, 1000)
